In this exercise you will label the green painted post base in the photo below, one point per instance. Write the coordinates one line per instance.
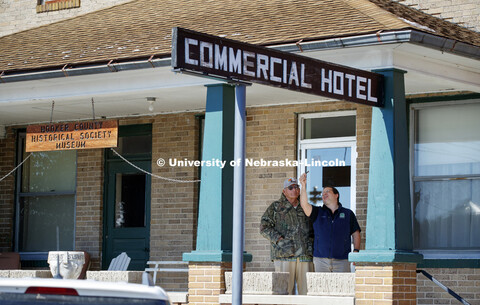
(385, 256)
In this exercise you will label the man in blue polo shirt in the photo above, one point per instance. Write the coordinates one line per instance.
(333, 227)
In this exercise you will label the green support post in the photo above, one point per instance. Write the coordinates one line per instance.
(214, 231)
(389, 219)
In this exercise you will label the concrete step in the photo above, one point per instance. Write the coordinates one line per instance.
(271, 288)
(289, 299)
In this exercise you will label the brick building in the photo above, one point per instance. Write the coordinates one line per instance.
(115, 64)
(464, 13)
(20, 15)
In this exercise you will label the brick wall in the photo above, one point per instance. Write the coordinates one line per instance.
(174, 205)
(383, 284)
(89, 207)
(463, 12)
(19, 15)
(206, 282)
(379, 284)
(272, 135)
(364, 124)
(464, 281)
(7, 188)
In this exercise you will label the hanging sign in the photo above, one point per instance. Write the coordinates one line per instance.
(233, 60)
(68, 136)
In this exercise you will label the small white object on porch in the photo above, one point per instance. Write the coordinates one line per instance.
(120, 263)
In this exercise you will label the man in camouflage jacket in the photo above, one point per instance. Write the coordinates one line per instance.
(290, 233)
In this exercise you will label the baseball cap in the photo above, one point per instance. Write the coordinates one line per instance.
(290, 181)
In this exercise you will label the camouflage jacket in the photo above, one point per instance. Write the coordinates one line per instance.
(281, 219)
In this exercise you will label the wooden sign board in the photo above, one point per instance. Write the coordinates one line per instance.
(69, 136)
(223, 58)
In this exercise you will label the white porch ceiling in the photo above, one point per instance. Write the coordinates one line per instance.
(124, 93)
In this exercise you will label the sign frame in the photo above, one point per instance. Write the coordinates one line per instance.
(72, 135)
(231, 60)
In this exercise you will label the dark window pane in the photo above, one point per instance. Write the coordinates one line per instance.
(49, 171)
(130, 201)
(41, 217)
(329, 127)
(135, 145)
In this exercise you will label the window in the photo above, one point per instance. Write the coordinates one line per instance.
(45, 213)
(134, 141)
(56, 5)
(329, 127)
(327, 149)
(446, 178)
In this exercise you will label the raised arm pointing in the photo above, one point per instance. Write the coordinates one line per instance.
(307, 208)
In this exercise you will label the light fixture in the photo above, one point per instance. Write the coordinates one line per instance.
(150, 100)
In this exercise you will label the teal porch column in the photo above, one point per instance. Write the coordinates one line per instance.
(214, 231)
(389, 223)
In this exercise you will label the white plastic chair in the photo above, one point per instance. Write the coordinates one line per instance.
(120, 263)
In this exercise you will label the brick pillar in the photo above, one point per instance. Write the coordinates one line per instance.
(206, 281)
(385, 284)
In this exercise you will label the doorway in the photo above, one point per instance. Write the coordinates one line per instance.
(327, 150)
(127, 199)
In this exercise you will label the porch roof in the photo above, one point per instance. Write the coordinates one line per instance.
(142, 28)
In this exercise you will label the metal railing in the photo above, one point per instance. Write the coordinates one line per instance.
(450, 291)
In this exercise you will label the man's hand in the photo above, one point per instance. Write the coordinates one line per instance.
(303, 180)
(307, 208)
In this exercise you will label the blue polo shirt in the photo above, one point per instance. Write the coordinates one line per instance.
(333, 231)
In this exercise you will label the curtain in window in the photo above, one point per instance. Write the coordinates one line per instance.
(446, 178)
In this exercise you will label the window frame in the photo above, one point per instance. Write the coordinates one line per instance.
(453, 258)
(44, 6)
(35, 255)
(332, 142)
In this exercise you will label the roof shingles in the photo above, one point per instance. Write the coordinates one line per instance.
(142, 28)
